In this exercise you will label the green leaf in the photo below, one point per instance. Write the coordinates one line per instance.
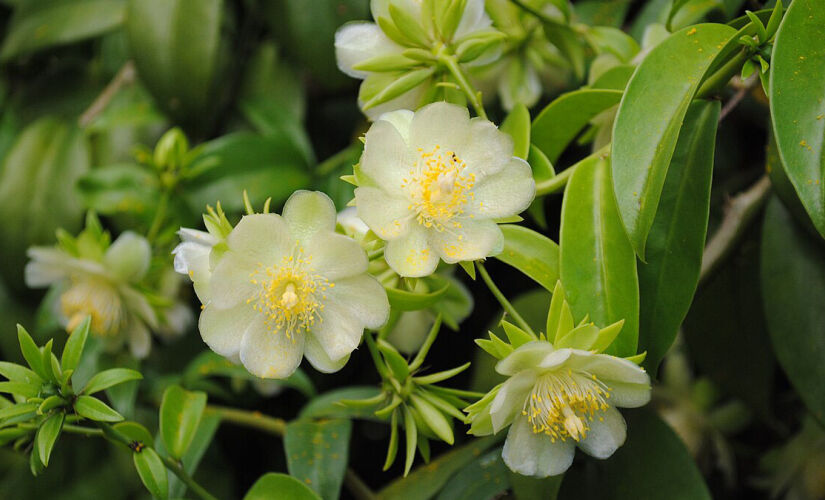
(119, 188)
(328, 405)
(532, 253)
(434, 419)
(317, 453)
(533, 488)
(484, 477)
(399, 85)
(396, 362)
(598, 267)
(44, 24)
(276, 485)
(95, 409)
(411, 435)
(559, 123)
(152, 472)
(18, 373)
(796, 98)
(47, 435)
(649, 119)
(135, 432)
(24, 389)
(32, 209)
(404, 300)
(517, 124)
(175, 45)
(793, 291)
(32, 353)
(180, 414)
(653, 463)
(426, 480)
(17, 410)
(568, 43)
(191, 459)
(667, 281)
(109, 378)
(73, 349)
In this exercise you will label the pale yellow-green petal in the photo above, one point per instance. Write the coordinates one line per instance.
(475, 239)
(388, 216)
(223, 329)
(525, 357)
(308, 212)
(319, 359)
(233, 281)
(270, 354)
(509, 401)
(440, 124)
(335, 256)
(506, 193)
(607, 433)
(128, 257)
(487, 151)
(532, 454)
(261, 238)
(358, 41)
(386, 157)
(411, 254)
(338, 332)
(363, 297)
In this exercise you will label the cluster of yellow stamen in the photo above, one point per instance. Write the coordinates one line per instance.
(290, 294)
(97, 298)
(562, 403)
(438, 188)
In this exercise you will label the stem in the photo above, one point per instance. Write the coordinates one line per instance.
(555, 183)
(253, 419)
(508, 307)
(472, 94)
(739, 213)
(722, 76)
(737, 97)
(124, 76)
(428, 342)
(329, 165)
(376, 357)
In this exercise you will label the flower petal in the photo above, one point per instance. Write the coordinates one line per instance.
(338, 332)
(140, 341)
(270, 354)
(440, 124)
(335, 256)
(524, 357)
(263, 238)
(192, 259)
(386, 156)
(474, 239)
(358, 41)
(388, 217)
(363, 297)
(411, 255)
(223, 329)
(128, 257)
(308, 212)
(610, 368)
(606, 434)
(509, 401)
(532, 454)
(231, 281)
(624, 395)
(319, 359)
(487, 151)
(506, 193)
(401, 120)
(49, 265)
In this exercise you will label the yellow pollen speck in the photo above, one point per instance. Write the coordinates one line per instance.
(691, 32)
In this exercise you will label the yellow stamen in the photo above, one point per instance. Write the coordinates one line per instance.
(439, 188)
(97, 298)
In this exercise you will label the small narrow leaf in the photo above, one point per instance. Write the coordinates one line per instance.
(152, 472)
(47, 435)
(95, 409)
(411, 434)
(31, 353)
(74, 346)
(109, 378)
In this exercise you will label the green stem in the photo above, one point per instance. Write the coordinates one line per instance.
(719, 79)
(555, 183)
(160, 214)
(428, 342)
(376, 356)
(253, 419)
(508, 307)
(329, 165)
(472, 94)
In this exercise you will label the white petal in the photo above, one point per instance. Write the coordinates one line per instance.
(270, 354)
(401, 120)
(339, 332)
(223, 329)
(385, 159)
(607, 432)
(335, 256)
(475, 239)
(532, 454)
(200, 237)
(140, 342)
(49, 265)
(308, 212)
(524, 357)
(363, 297)
(319, 359)
(358, 41)
(192, 259)
(625, 395)
(555, 359)
(352, 224)
(137, 304)
(411, 255)
(506, 193)
(610, 368)
(509, 401)
(388, 217)
(231, 281)
(128, 257)
(487, 151)
(263, 238)
(411, 330)
(440, 124)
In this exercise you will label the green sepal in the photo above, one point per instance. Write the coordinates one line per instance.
(396, 362)
(434, 378)
(581, 337)
(385, 63)
(607, 335)
(516, 335)
(400, 85)
(408, 26)
(392, 448)
(435, 419)
(638, 358)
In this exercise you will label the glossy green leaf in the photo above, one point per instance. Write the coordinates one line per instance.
(135, 432)
(796, 98)
(532, 253)
(277, 485)
(43, 24)
(32, 209)
(317, 453)
(31, 353)
(404, 300)
(109, 378)
(793, 291)
(152, 472)
(73, 350)
(47, 435)
(191, 459)
(485, 477)
(649, 119)
(562, 120)
(95, 409)
(517, 124)
(667, 281)
(24, 389)
(175, 45)
(18, 373)
(180, 414)
(598, 267)
(328, 405)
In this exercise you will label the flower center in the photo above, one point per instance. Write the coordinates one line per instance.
(562, 404)
(96, 298)
(290, 294)
(438, 188)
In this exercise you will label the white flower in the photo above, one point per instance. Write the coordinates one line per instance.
(432, 183)
(100, 284)
(289, 286)
(555, 400)
(192, 258)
